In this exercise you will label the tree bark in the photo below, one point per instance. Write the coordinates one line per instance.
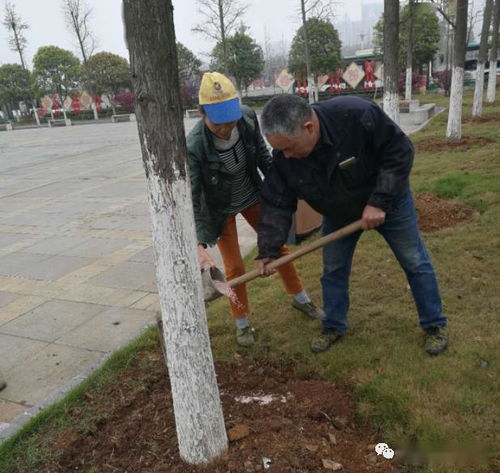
(153, 59)
(19, 48)
(477, 106)
(409, 51)
(223, 35)
(454, 128)
(310, 80)
(492, 75)
(391, 52)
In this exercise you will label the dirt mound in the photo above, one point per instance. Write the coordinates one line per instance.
(491, 117)
(435, 213)
(301, 425)
(443, 144)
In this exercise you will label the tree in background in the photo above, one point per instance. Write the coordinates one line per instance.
(220, 17)
(14, 86)
(454, 127)
(77, 16)
(324, 48)
(198, 412)
(275, 58)
(55, 70)
(423, 36)
(107, 73)
(189, 75)
(391, 53)
(492, 75)
(477, 106)
(245, 60)
(15, 26)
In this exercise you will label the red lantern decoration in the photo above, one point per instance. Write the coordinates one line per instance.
(369, 75)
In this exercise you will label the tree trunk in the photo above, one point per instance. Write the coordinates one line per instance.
(492, 75)
(310, 80)
(223, 35)
(18, 47)
(197, 408)
(454, 128)
(409, 51)
(78, 35)
(391, 52)
(477, 106)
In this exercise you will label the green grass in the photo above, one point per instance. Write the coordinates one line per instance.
(447, 403)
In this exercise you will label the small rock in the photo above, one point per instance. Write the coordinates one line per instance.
(332, 438)
(331, 465)
(312, 448)
(484, 364)
(339, 423)
(238, 432)
(248, 466)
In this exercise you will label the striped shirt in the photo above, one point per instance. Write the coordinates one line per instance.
(233, 155)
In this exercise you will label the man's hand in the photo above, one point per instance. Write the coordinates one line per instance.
(262, 267)
(372, 217)
(204, 258)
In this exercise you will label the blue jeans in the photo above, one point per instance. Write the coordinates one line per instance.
(400, 230)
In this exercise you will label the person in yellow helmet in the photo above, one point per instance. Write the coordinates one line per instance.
(226, 151)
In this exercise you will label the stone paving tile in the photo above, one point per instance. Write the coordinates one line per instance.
(19, 306)
(145, 256)
(52, 268)
(127, 275)
(17, 264)
(108, 329)
(9, 411)
(7, 239)
(33, 380)
(14, 350)
(6, 298)
(51, 320)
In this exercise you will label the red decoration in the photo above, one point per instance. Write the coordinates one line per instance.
(75, 104)
(334, 79)
(369, 75)
(98, 102)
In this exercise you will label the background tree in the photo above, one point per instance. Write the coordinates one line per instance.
(477, 106)
(410, 20)
(454, 128)
(220, 19)
(275, 58)
(492, 75)
(107, 73)
(55, 70)
(197, 408)
(15, 26)
(391, 53)
(189, 75)
(14, 86)
(425, 35)
(245, 60)
(325, 49)
(77, 15)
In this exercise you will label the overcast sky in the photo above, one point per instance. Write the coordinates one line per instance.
(45, 18)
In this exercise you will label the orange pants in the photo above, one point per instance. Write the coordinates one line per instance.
(233, 262)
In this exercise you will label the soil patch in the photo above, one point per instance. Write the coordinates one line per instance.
(435, 213)
(491, 117)
(303, 425)
(496, 103)
(443, 144)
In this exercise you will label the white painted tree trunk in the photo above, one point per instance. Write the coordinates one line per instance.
(198, 413)
(492, 83)
(477, 105)
(391, 104)
(454, 128)
(94, 109)
(408, 83)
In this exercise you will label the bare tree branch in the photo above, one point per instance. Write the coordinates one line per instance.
(444, 14)
(77, 15)
(15, 26)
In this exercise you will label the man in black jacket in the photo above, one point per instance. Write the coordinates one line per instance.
(349, 161)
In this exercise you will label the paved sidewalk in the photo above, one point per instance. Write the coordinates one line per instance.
(77, 276)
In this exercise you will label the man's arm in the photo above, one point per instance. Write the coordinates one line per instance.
(278, 203)
(395, 153)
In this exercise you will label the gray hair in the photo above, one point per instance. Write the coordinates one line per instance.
(284, 115)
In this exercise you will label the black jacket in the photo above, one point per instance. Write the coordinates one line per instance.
(362, 158)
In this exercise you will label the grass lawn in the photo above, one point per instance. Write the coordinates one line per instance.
(447, 403)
